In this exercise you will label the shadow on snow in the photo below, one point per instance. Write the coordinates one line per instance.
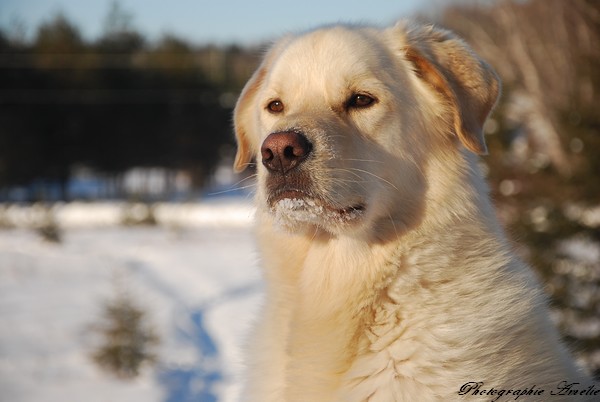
(194, 384)
(200, 383)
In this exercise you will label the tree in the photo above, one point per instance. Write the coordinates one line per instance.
(544, 142)
(114, 104)
(119, 34)
(127, 340)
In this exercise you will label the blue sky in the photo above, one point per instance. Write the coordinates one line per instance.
(201, 21)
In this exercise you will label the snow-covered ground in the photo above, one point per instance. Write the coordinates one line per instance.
(195, 274)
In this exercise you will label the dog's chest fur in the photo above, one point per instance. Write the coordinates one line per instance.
(406, 328)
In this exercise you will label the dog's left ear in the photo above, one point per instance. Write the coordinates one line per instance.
(467, 84)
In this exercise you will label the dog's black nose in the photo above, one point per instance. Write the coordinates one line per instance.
(283, 151)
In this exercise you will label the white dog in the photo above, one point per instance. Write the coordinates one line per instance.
(388, 275)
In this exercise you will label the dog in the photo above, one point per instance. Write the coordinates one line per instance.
(388, 276)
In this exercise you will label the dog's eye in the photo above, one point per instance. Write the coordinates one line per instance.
(275, 106)
(360, 101)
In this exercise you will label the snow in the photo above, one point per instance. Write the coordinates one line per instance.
(195, 274)
(289, 211)
(80, 214)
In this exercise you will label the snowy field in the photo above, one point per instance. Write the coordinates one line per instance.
(193, 271)
(195, 275)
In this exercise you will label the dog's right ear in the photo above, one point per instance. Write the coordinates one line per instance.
(244, 120)
(245, 115)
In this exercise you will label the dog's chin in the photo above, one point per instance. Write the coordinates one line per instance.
(295, 212)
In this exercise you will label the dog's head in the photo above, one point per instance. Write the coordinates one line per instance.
(344, 122)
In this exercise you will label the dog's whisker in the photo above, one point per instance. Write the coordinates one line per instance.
(249, 177)
(393, 224)
(348, 184)
(361, 160)
(376, 176)
(351, 171)
(233, 189)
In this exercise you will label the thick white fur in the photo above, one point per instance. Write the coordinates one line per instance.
(420, 292)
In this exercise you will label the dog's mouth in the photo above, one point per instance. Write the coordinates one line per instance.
(291, 194)
(291, 207)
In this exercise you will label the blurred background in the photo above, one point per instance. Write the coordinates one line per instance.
(127, 266)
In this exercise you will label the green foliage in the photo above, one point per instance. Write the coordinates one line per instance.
(45, 224)
(58, 36)
(50, 232)
(127, 340)
(5, 221)
(136, 214)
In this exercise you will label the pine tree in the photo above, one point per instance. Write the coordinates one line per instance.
(127, 341)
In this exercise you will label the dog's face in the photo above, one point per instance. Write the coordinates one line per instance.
(343, 122)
